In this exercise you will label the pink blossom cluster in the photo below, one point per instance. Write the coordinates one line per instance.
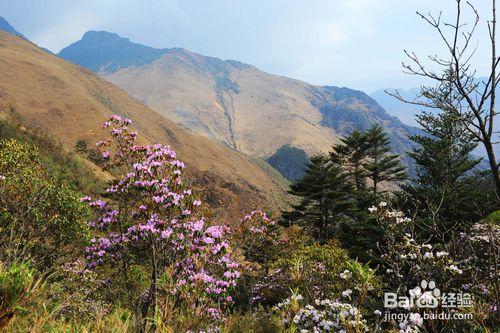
(148, 208)
(263, 222)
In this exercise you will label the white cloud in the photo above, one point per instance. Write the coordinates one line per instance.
(66, 29)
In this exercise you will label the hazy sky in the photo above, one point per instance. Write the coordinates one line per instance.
(353, 43)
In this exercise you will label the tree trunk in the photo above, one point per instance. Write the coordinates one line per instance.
(493, 166)
(147, 299)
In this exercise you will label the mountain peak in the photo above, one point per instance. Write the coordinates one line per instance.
(5, 26)
(103, 51)
(102, 35)
(107, 52)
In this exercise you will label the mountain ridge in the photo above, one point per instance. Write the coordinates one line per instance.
(242, 107)
(7, 27)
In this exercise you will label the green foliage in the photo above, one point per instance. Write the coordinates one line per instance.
(494, 217)
(350, 153)
(365, 158)
(325, 198)
(81, 146)
(18, 286)
(41, 218)
(381, 166)
(313, 270)
(447, 194)
(70, 168)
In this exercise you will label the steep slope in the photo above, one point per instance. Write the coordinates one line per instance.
(46, 92)
(5, 26)
(240, 106)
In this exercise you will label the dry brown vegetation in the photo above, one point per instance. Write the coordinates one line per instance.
(42, 91)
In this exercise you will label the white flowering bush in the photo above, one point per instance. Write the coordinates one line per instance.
(408, 260)
(324, 316)
(467, 263)
(336, 315)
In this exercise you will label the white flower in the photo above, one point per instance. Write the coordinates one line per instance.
(416, 319)
(372, 209)
(455, 269)
(440, 254)
(388, 271)
(377, 312)
(428, 255)
(346, 274)
(382, 204)
(346, 293)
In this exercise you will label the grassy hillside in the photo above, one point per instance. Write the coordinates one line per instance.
(47, 93)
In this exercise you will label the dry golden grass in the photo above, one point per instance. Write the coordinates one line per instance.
(71, 103)
(268, 112)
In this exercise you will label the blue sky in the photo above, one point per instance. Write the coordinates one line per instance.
(353, 43)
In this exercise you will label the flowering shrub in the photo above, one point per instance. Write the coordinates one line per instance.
(478, 251)
(408, 261)
(324, 316)
(149, 218)
(257, 242)
(257, 237)
(451, 265)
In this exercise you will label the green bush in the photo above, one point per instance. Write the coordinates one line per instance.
(311, 270)
(41, 217)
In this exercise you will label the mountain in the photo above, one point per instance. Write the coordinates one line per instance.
(102, 51)
(5, 26)
(233, 103)
(403, 111)
(42, 91)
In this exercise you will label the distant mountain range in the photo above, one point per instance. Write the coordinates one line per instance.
(5, 26)
(236, 104)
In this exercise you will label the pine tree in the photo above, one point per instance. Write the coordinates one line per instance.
(350, 154)
(446, 194)
(360, 233)
(324, 198)
(381, 166)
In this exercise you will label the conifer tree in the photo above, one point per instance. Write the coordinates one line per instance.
(350, 153)
(446, 193)
(361, 232)
(381, 166)
(324, 198)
